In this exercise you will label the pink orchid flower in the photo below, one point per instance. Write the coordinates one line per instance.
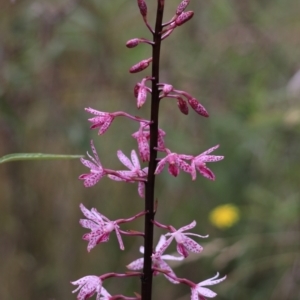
(102, 120)
(158, 260)
(96, 169)
(88, 286)
(184, 243)
(135, 172)
(100, 227)
(199, 163)
(198, 292)
(175, 161)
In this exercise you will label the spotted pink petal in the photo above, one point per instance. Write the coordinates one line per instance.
(96, 112)
(212, 281)
(135, 160)
(92, 215)
(160, 165)
(206, 172)
(206, 292)
(209, 150)
(97, 122)
(160, 139)
(105, 125)
(192, 246)
(194, 294)
(89, 164)
(119, 238)
(125, 160)
(162, 245)
(141, 189)
(136, 264)
(88, 224)
(90, 179)
(184, 166)
(187, 227)
(143, 148)
(94, 238)
(209, 158)
(106, 295)
(193, 170)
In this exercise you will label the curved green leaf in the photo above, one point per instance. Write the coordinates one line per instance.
(35, 156)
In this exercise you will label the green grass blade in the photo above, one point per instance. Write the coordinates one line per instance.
(35, 156)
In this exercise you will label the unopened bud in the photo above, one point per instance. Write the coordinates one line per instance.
(142, 65)
(197, 107)
(142, 96)
(182, 105)
(133, 43)
(184, 17)
(182, 6)
(143, 7)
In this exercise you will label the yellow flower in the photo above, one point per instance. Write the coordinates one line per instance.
(224, 216)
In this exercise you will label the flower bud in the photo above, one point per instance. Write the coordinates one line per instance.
(184, 17)
(142, 65)
(133, 43)
(182, 105)
(143, 7)
(142, 96)
(182, 6)
(197, 107)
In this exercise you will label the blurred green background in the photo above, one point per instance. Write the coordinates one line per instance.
(239, 58)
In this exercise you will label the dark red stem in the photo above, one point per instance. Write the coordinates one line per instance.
(150, 184)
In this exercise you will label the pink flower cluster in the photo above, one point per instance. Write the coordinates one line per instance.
(100, 227)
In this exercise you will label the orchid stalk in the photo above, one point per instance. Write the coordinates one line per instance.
(150, 141)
